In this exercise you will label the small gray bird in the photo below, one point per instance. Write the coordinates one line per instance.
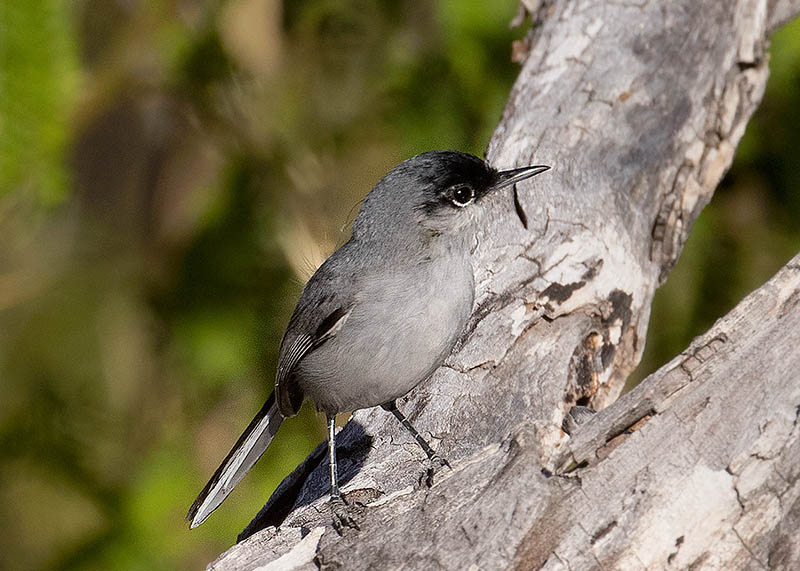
(381, 314)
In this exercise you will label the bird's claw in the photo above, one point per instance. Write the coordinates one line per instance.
(342, 520)
(577, 416)
(435, 464)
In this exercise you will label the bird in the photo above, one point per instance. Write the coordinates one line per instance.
(381, 314)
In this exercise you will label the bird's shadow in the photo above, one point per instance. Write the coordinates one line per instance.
(310, 481)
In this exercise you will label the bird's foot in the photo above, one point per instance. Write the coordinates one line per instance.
(433, 465)
(576, 416)
(342, 517)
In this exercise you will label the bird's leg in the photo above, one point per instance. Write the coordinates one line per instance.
(339, 511)
(434, 459)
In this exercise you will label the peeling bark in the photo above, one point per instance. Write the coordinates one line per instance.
(639, 107)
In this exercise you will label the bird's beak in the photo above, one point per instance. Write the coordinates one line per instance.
(513, 176)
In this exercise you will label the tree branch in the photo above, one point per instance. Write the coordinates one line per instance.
(639, 107)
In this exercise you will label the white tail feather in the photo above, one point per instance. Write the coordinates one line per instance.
(245, 453)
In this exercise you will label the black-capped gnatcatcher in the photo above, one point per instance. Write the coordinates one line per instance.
(381, 314)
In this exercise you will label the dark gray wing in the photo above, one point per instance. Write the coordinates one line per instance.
(322, 310)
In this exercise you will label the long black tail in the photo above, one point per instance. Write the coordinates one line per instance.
(244, 454)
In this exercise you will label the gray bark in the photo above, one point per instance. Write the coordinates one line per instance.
(639, 107)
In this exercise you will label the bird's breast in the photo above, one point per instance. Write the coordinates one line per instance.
(403, 324)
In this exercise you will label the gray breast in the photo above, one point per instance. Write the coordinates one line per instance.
(402, 326)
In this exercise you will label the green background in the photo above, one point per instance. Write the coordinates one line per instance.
(170, 173)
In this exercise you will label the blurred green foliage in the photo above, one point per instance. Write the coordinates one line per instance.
(172, 170)
(38, 71)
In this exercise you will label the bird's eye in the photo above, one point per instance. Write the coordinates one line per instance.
(461, 195)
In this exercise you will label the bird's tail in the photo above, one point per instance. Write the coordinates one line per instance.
(244, 454)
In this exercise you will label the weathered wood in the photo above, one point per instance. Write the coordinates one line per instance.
(699, 465)
(639, 107)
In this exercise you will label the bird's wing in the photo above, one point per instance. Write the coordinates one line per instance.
(319, 315)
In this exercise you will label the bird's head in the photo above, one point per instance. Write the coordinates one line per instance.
(437, 192)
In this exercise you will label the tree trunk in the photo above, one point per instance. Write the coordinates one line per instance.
(638, 107)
